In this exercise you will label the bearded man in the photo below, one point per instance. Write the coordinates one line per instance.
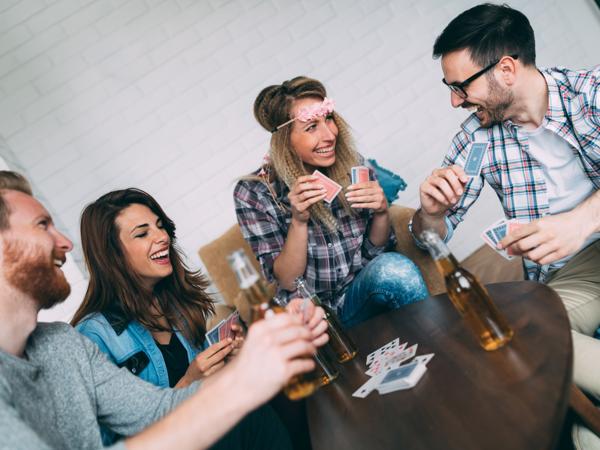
(542, 128)
(56, 385)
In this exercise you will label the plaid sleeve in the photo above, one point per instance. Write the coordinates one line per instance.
(254, 209)
(458, 155)
(595, 97)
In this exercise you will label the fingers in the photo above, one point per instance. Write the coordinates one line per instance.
(445, 185)
(216, 348)
(297, 349)
(522, 232)
(459, 172)
(321, 340)
(219, 355)
(299, 366)
(214, 368)
(316, 315)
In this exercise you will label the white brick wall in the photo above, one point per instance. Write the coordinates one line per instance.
(106, 94)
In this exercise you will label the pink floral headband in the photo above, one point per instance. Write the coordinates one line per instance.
(310, 112)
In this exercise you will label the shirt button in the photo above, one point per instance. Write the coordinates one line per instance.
(329, 244)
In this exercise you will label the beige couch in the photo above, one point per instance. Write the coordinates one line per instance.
(484, 263)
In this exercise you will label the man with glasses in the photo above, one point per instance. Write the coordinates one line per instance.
(543, 161)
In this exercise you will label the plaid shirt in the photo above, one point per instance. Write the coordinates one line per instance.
(573, 114)
(334, 258)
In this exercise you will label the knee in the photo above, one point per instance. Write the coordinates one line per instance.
(397, 272)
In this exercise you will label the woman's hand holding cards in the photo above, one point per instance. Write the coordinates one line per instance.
(368, 195)
(207, 362)
(305, 192)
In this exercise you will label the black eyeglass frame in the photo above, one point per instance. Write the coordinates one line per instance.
(459, 88)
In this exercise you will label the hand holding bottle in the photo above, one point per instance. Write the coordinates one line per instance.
(313, 317)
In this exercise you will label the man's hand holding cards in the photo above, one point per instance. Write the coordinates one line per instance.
(474, 159)
(496, 232)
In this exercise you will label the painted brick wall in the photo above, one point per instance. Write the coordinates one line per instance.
(105, 94)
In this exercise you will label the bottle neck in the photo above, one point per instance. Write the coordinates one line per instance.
(447, 264)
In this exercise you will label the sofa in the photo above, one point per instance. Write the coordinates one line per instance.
(486, 264)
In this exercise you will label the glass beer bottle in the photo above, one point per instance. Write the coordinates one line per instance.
(469, 296)
(339, 341)
(255, 292)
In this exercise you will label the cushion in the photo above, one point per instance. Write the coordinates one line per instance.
(390, 182)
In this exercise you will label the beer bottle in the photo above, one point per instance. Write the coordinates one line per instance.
(255, 292)
(468, 296)
(340, 342)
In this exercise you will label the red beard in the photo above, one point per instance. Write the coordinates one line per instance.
(27, 269)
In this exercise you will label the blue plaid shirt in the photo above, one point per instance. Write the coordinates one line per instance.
(333, 259)
(573, 114)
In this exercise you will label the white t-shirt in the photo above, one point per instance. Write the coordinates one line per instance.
(566, 181)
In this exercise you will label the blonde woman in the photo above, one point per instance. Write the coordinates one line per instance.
(343, 249)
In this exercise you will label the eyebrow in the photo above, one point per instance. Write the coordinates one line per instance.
(143, 225)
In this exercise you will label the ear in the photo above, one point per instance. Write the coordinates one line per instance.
(507, 70)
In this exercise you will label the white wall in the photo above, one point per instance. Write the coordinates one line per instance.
(105, 94)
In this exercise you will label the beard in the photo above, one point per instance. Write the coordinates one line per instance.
(29, 270)
(498, 101)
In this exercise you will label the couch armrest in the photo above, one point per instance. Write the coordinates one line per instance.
(400, 216)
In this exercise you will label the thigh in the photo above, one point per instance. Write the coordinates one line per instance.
(578, 285)
(387, 282)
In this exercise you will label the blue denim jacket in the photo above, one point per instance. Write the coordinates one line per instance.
(132, 347)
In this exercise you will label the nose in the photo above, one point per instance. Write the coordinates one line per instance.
(62, 242)
(161, 236)
(455, 99)
(327, 133)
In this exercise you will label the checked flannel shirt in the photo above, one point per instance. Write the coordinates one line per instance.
(573, 114)
(333, 259)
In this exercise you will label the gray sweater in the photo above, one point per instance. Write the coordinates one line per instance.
(56, 396)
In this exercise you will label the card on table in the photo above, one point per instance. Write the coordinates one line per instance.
(359, 174)
(386, 364)
(474, 159)
(403, 377)
(332, 188)
(385, 350)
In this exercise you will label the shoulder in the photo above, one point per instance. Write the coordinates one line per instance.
(584, 81)
(95, 324)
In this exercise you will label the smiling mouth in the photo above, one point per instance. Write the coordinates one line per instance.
(160, 256)
(325, 150)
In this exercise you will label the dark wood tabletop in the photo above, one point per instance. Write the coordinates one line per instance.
(510, 399)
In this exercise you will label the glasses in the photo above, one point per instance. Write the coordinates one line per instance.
(459, 88)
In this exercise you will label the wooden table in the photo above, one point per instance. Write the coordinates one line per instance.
(511, 399)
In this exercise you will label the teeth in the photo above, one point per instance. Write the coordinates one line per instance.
(472, 108)
(58, 263)
(160, 254)
(324, 150)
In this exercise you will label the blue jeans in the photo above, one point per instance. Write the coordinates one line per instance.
(387, 282)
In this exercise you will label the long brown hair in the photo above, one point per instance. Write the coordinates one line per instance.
(115, 287)
(272, 108)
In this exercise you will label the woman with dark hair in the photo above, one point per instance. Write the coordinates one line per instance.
(147, 311)
(341, 246)
(143, 307)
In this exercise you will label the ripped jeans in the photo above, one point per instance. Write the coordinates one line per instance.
(387, 282)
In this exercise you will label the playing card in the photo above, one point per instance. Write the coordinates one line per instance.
(368, 387)
(387, 364)
(382, 350)
(474, 159)
(424, 359)
(359, 174)
(212, 335)
(225, 330)
(332, 188)
(403, 377)
(496, 232)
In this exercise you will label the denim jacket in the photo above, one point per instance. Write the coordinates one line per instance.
(131, 346)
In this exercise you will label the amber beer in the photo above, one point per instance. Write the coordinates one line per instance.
(256, 294)
(340, 342)
(469, 296)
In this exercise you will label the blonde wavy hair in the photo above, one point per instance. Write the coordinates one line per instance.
(273, 107)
